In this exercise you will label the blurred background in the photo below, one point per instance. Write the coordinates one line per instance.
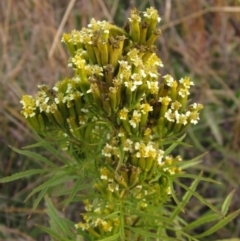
(200, 39)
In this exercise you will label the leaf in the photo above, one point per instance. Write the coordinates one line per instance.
(55, 180)
(200, 198)
(74, 190)
(60, 223)
(19, 175)
(220, 224)
(149, 234)
(112, 238)
(39, 198)
(186, 197)
(193, 162)
(35, 156)
(211, 121)
(201, 220)
(54, 234)
(175, 143)
(227, 202)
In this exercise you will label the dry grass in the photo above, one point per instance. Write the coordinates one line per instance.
(200, 38)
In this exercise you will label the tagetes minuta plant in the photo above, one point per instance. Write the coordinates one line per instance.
(120, 117)
(117, 89)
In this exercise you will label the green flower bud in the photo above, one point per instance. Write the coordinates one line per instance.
(148, 164)
(113, 98)
(51, 118)
(41, 123)
(33, 121)
(134, 160)
(71, 110)
(74, 127)
(173, 91)
(66, 39)
(108, 73)
(103, 48)
(78, 105)
(100, 188)
(98, 55)
(121, 181)
(91, 53)
(142, 89)
(143, 33)
(59, 118)
(164, 107)
(176, 128)
(96, 95)
(135, 21)
(124, 174)
(107, 106)
(153, 37)
(163, 181)
(134, 176)
(142, 163)
(115, 50)
(63, 109)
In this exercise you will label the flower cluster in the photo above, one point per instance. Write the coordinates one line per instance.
(117, 99)
(97, 224)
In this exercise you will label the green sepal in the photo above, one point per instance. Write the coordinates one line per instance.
(141, 163)
(103, 48)
(134, 176)
(148, 164)
(98, 56)
(153, 37)
(135, 31)
(91, 53)
(59, 118)
(41, 123)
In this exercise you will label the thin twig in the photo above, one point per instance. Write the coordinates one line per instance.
(59, 31)
(198, 14)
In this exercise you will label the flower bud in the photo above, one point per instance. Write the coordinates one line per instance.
(143, 32)
(142, 163)
(103, 48)
(59, 118)
(91, 53)
(148, 164)
(135, 20)
(153, 37)
(134, 179)
(41, 123)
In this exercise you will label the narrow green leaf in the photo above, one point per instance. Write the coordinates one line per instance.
(191, 176)
(74, 190)
(112, 238)
(55, 180)
(39, 198)
(193, 162)
(35, 156)
(53, 214)
(227, 202)
(186, 197)
(211, 121)
(200, 198)
(146, 234)
(19, 175)
(175, 143)
(220, 224)
(202, 220)
(53, 233)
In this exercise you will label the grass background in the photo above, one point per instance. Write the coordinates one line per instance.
(200, 38)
